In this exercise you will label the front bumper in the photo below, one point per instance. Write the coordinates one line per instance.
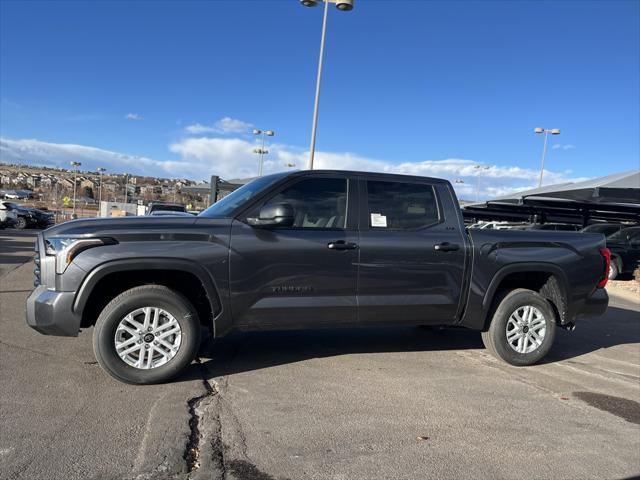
(595, 304)
(51, 313)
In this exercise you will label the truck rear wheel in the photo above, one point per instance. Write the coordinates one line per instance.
(147, 334)
(522, 329)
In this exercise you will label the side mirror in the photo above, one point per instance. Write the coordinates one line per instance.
(278, 215)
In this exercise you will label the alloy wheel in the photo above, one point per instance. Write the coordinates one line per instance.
(147, 338)
(526, 329)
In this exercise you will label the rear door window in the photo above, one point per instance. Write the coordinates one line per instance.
(401, 205)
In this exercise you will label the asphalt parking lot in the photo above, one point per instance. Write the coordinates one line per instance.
(392, 403)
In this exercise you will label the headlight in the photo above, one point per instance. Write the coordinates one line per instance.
(66, 248)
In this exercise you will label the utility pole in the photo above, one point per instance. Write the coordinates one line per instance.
(546, 131)
(345, 6)
(479, 168)
(261, 151)
(100, 170)
(75, 185)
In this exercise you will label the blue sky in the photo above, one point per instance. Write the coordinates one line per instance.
(425, 87)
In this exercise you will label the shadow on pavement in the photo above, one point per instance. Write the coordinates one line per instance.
(617, 327)
(15, 246)
(242, 352)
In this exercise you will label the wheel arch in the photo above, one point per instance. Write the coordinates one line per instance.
(108, 280)
(549, 280)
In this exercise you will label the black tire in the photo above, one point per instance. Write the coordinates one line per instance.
(139, 297)
(614, 271)
(495, 338)
(20, 223)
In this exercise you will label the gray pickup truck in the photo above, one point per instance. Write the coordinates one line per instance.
(305, 250)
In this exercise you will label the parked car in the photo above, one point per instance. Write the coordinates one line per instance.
(305, 250)
(558, 227)
(170, 213)
(16, 194)
(8, 215)
(171, 207)
(30, 217)
(605, 228)
(495, 225)
(625, 251)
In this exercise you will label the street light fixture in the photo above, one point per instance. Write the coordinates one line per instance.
(546, 131)
(345, 6)
(75, 183)
(100, 171)
(480, 169)
(261, 151)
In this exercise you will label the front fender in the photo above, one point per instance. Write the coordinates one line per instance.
(163, 263)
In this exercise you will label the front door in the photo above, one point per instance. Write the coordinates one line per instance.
(412, 253)
(303, 275)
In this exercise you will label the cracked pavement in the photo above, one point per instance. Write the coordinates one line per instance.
(321, 404)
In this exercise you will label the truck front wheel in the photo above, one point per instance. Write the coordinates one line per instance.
(147, 334)
(522, 329)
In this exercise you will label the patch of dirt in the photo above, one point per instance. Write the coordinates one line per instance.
(628, 285)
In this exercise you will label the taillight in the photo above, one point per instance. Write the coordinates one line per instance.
(606, 254)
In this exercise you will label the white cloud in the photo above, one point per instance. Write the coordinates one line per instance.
(36, 152)
(224, 126)
(561, 146)
(234, 158)
(199, 158)
(133, 116)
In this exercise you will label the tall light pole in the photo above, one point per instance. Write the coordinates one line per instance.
(345, 6)
(546, 131)
(100, 171)
(75, 183)
(261, 151)
(480, 169)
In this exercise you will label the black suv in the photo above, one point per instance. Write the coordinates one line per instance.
(30, 217)
(304, 250)
(625, 251)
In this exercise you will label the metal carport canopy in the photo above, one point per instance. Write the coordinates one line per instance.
(613, 197)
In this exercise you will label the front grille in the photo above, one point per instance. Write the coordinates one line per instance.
(36, 269)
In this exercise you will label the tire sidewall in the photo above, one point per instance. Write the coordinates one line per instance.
(513, 301)
(114, 312)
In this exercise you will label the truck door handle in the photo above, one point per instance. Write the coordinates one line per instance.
(342, 245)
(446, 247)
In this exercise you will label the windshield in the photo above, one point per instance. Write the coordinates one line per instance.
(624, 235)
(598, 228)
(225, 206)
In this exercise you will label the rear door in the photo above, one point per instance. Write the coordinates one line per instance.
(303, 275)
(412, 252)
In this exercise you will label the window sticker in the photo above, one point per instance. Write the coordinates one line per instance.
(378, 220)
